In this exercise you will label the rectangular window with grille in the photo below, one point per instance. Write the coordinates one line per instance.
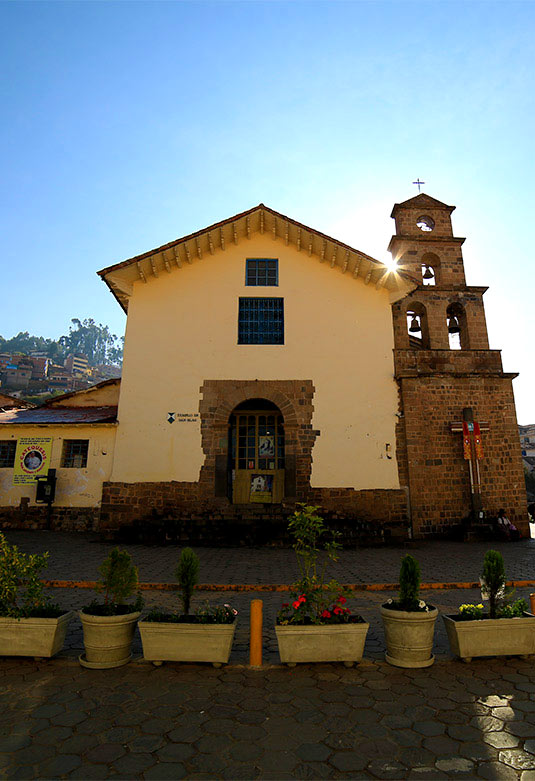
(261, 321)
(7, 453)
(74, 453)
(262, 271)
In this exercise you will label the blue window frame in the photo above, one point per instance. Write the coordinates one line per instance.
(261, 321)
(262, 271)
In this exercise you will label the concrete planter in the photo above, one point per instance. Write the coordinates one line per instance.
(168, 642)
(322, 643)
(491, 636)
(409, 637)
(37, 637)
(107, 640)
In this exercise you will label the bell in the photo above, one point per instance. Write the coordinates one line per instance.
(453, 325)
(415, 326)
(428, 274)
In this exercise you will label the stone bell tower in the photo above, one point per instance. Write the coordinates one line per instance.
(447, 375)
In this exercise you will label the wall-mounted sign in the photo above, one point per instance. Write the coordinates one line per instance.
(183, 417)
(32, 458)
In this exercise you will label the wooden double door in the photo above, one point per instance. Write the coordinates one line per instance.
(256, 456)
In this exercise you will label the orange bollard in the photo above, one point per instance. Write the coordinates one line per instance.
(255, 641)
(532, 603)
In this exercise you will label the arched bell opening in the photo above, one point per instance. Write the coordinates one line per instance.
(256, 453)
(457, 328)
(417, 327)
(430, 269)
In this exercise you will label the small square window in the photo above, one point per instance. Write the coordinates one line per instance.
(7, 453)
(261, 321)
(262, 271)
(74, 454)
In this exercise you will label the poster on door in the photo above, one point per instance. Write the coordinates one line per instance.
(261, 488)
(32, 459)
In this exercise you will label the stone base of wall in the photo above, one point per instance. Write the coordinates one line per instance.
(77, 519)
(177, 513)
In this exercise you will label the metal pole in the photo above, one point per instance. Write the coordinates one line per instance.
(255, 641)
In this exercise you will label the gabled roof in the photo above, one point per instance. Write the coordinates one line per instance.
(79, 396)
(260, 219)
(11, 402)
(421, 201)
(59, 415)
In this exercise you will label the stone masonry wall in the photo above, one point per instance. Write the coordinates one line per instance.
(438, 473)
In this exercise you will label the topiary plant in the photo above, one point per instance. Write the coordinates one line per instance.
(119, 579)
(187, 574)
(409, 583)
(493, 579)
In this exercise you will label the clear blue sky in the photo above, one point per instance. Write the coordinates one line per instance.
(126, 125)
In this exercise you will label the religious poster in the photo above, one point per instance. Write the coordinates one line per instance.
(261, 488)
(32, 459)
(266, 446)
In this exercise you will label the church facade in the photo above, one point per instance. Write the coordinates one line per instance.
(267, 364)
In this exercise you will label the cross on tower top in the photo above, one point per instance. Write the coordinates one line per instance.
(419, 183)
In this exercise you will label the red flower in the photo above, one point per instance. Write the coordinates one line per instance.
(325, 614)
(285, 604)
(342, 600)
(302, 598)
(338, 611)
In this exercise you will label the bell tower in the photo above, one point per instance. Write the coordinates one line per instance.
(443, 365)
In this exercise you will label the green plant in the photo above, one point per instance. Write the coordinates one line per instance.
(119, 580)
(493, 579)
(409, 583)
(187, 574)
(312, 599)
(514, 610)
(215, 614)
(21, 590)
(307, 529)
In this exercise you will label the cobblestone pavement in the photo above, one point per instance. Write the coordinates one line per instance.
(313, 721)
(77, 556)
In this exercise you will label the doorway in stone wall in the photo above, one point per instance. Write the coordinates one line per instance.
(256, 453)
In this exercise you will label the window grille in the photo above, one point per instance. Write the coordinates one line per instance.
(261, 321)
(262, 271)
(7, 453)
(74, 454)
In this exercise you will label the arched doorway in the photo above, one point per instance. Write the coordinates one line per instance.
(256, 457)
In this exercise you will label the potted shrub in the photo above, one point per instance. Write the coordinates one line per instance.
(205, 636)
(507, 629)
(30, 625)
(316, 625)
(408, 622)
(109, 626)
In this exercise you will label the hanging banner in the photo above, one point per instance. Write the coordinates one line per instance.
(32, 458)
(467, 450)
(477, 441)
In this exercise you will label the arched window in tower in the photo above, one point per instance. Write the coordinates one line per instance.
(417, 327)
(457, 331)
(430, 269)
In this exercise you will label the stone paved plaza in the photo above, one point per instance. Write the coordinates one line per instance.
(314, 721)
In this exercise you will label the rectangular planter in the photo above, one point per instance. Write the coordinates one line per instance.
(167, 642)
(321, 643)
(491, 636)
(39, 637)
